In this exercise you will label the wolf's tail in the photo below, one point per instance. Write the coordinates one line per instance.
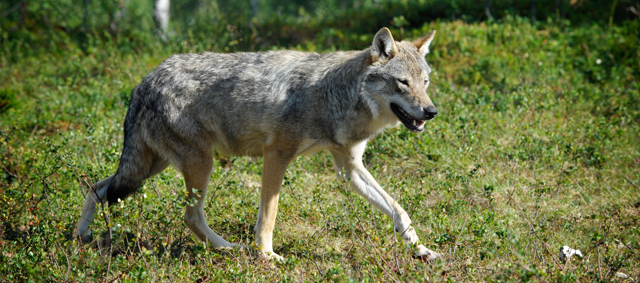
(136, 161)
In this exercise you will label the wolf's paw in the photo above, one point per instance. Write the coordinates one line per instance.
(272, 256)
(425, 254)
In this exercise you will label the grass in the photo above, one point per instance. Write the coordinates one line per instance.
(536, 146)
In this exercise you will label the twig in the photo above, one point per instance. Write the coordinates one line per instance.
(318, 267)
(546, 246)
(106, 277)
(481, 268)
(510, 194)
(374, 248)
(395, 238)
(138, 238)
(599, 267)
(321, 267)
(23, 16)
(326, 222)
(559, 181)
(124, 272)
(215, 196)
(14, 206)
(487, 9)
(33, 131)
(535, 234)
(635, 11)
(6, 170)
(66, 275)
(630, 182)
(106, 220)
(395, 250)
(613, 10)
(591, 249)
(455, 246)
(381, 258)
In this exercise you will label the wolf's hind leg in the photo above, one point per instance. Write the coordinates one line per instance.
(196, 176)
(97, 194)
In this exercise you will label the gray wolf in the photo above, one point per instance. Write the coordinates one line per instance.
(277, 104)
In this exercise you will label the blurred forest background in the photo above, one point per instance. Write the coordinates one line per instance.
(536, 144)
(34, 26)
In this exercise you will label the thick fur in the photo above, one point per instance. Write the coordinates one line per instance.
(278, 104)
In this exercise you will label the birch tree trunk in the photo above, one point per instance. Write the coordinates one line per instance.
(533, 12)
(161, 15)
(487, 10)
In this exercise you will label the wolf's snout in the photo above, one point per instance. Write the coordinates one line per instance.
(430, 112)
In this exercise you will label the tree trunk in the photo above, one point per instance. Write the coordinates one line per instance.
(85, 20)
(161, 15)
(254, 8)
(533, 11)
(487, 11)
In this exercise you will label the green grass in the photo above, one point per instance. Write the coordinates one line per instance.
(536, 146)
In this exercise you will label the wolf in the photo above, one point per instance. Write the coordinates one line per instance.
(276, 104)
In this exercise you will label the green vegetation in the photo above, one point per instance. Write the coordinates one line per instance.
(536, 146)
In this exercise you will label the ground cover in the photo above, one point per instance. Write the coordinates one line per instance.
(536, 146)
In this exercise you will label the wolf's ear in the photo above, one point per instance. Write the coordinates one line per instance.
(423, 43)
(383, 47)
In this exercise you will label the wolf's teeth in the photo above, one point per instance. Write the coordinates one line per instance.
(414, 123)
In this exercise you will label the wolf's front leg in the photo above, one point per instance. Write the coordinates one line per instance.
(349, 165)
(274, 167)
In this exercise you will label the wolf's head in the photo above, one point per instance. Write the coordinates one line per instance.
(397, 80)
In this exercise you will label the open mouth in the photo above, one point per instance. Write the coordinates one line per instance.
(413, 124)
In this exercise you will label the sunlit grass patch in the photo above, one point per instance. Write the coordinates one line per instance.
(535, 147)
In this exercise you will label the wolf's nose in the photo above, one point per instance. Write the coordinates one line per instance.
(430, 112)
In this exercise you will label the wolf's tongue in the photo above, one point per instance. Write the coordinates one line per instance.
(420, 123)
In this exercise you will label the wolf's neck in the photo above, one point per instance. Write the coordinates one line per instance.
(342, 78)
(346, 69)
(341, 87)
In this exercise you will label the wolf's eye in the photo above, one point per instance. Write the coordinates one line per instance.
(403, 81)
